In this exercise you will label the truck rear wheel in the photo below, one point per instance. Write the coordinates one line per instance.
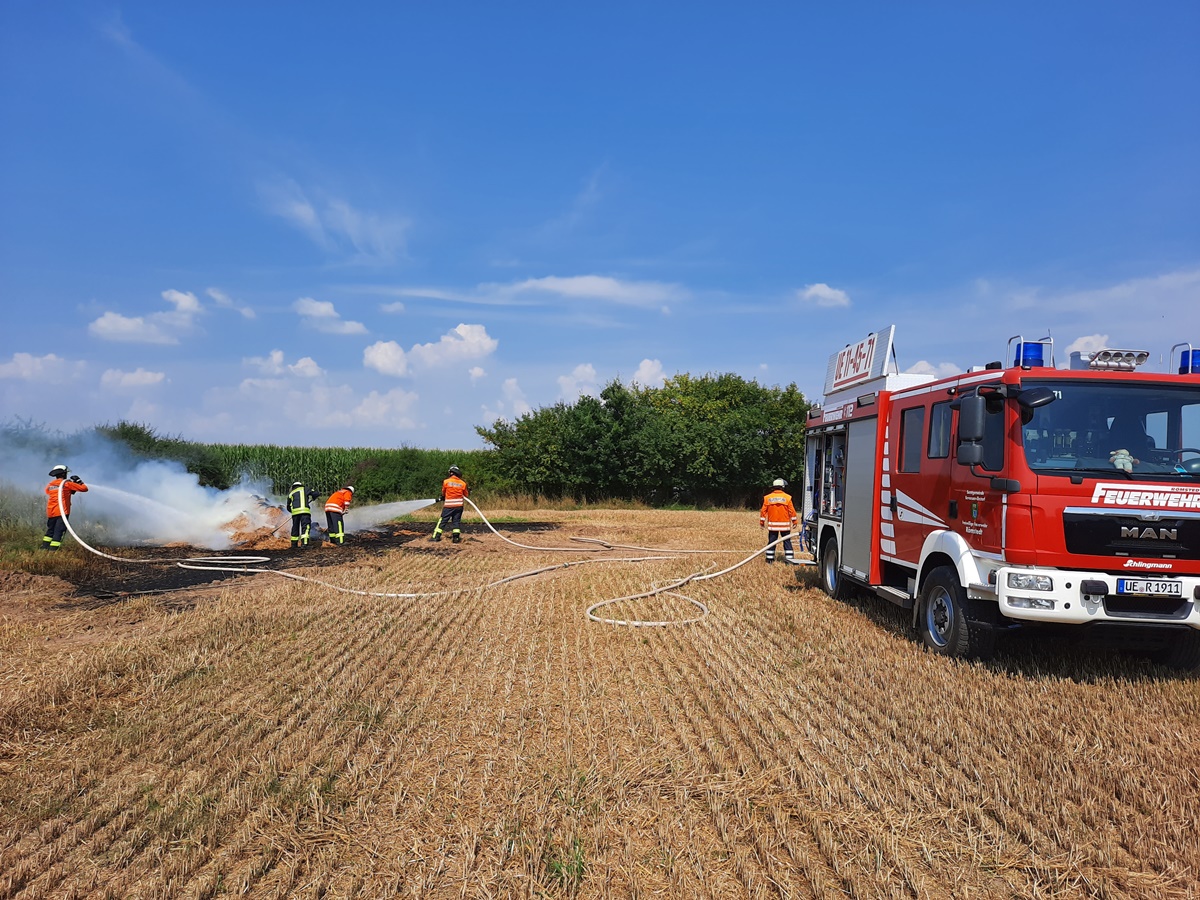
(831, 578)
(942, 618)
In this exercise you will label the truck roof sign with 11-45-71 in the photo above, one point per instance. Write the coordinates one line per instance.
(859, 362)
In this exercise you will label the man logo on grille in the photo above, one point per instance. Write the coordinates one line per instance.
(1150, 534)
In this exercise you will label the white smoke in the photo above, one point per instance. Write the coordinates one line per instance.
(129, 501)
(133, 501)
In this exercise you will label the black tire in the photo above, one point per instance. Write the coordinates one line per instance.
(942, 619)
(1181, 652)
(831, 579)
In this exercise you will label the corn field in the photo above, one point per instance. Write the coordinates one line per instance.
(274, 738)
(378, 474)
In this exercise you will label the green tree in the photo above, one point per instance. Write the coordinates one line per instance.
(716, 439)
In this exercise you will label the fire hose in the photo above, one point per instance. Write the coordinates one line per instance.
(242, 565)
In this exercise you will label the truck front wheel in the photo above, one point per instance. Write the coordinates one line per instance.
(942, 618)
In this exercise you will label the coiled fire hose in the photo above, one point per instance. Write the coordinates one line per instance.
(242, 565)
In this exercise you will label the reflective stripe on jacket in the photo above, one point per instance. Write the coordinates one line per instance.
(298, 502)
(338, 501)
(68, 488)
(454, 490)
(777, 513)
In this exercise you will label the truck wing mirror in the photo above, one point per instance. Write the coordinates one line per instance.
(970, 453)
(971, 413)
(1035, 397)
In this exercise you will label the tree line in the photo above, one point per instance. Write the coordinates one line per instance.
(714, 440)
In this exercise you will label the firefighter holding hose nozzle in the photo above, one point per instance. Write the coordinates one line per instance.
(454, 497)
(335, 512)
(56, 516)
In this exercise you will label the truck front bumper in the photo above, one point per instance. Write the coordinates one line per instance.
(1078, 597)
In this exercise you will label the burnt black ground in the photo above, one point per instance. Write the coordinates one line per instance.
(104, 581)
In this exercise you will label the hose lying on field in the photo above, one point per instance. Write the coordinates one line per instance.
(241, 565)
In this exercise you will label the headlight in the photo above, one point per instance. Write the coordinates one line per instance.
(1026, 581)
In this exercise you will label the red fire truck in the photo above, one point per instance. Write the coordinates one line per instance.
(1013, 494)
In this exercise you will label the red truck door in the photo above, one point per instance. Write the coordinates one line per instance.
(976, 509)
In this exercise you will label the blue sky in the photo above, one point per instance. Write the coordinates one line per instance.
(385, 224)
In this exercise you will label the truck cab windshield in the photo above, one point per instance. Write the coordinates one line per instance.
(1114, 427)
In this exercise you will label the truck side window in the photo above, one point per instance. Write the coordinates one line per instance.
(912, 430)
(939, 430)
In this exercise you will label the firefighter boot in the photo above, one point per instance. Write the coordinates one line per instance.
(455, 538)
(437, 533)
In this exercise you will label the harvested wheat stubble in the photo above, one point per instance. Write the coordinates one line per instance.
(277, 739)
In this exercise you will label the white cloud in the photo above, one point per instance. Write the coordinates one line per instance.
(387, 358)
(465, 342)
(336, 226)
(142, 410)
(225, 301)
(315, 309)
(604, 288)
(937, 370)
(286, 200)
(649, 373)
(318, 405)
(156, 328)
(115, 327)
(117, 379)
(48, 369)
(321, 315)
(1088, 344)
(484, 295)
(510, 405)
(823, 295)
(306, 367)
(393, 408)
(476, 372)
(185, 302)
(582, 380)
(515, 397)
(273, 364)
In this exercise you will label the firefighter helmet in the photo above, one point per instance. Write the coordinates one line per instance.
(297, 484)
(58, 471)
(779, 483)
(455, 471)
(350, 488)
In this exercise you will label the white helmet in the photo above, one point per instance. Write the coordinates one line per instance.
(779, 483)
(350, 488)
(297, 484)
(58, 470)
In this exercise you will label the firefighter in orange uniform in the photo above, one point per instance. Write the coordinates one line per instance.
(454, 497)
(778, 516)
(335, 511)
(56, 517)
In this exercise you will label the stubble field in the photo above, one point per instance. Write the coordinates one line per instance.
(266, 737)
